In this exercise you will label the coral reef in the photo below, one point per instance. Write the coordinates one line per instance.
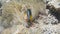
(45, 16)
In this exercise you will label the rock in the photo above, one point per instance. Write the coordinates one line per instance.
(12, 20)
(54, 8)
(15, 13)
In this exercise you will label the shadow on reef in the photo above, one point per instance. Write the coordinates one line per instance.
(54, 11)
(0, 9)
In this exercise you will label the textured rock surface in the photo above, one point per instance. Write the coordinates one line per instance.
(12, 20)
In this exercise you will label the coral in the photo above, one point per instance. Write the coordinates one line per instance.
(13, 17)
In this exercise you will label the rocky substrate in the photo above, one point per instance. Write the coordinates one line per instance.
(45, 24)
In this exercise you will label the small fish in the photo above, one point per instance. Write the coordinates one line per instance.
(28, 16)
